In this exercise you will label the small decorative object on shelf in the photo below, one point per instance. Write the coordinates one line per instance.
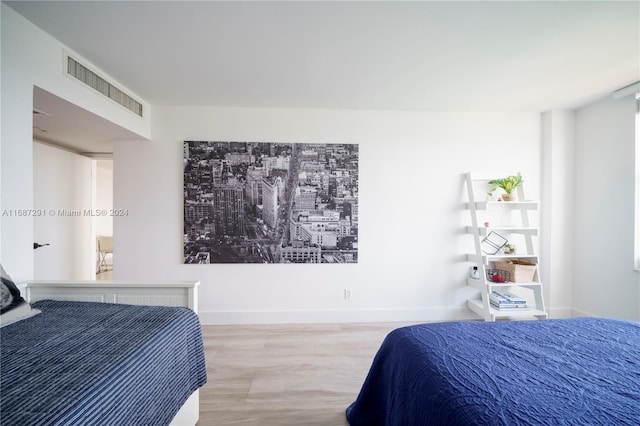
(508, 185)
(509, 248)
(497, 275)
(474, 273)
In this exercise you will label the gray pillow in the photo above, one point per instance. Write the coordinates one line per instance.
(9, 294)
(13, 307)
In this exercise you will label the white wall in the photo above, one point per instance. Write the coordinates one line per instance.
(104, 196)
(605, 282)
(62, 186)
(411, 250)
(30, 57)
(558, 170)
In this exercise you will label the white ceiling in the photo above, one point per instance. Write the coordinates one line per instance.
(382, 55)
(61, 123)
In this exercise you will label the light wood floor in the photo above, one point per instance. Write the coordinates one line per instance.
(105, 274)
(286, 374)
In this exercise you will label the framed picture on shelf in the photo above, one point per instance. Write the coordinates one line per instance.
(492, 243)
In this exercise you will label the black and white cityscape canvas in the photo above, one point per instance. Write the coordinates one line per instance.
(268, 202)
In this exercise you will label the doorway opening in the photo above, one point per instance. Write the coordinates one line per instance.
(73, 176)
(103, 224)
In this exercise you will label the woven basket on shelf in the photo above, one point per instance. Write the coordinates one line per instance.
(519, 270)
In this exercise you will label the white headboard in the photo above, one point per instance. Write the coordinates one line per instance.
(169, 293)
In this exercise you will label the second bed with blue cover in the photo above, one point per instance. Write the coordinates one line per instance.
(553, 372)
(85, 363)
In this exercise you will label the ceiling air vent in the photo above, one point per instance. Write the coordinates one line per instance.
(91, 79)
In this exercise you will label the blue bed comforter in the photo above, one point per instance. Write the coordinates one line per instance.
(84, 363)
(582, 371)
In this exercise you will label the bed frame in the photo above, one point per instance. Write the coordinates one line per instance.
(168, 293)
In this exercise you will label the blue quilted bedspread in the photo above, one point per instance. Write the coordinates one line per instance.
(84, 363)
(582, 371)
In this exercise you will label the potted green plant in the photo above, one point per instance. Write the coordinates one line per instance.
(507, 184)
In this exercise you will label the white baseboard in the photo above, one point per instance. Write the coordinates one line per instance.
(578, 313)
(336, 316)
(556, 313)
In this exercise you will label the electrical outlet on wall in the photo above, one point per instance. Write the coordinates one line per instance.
(347, 294)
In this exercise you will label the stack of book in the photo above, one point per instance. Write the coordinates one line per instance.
(506, 300)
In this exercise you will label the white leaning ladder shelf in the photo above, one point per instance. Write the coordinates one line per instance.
(515, 226)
